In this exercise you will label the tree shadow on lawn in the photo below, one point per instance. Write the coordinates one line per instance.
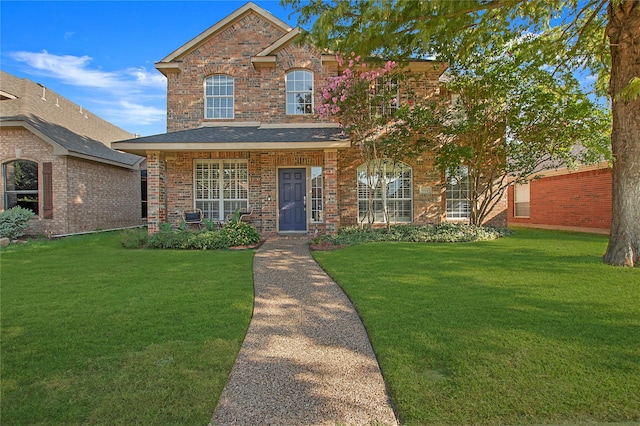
(554, 323)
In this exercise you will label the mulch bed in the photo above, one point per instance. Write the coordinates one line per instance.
(250, 246)
(326, 245)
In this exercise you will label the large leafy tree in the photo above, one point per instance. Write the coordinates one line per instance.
(600, 35)
(509, 120)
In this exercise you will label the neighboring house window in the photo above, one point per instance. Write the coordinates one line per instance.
(521, 194)
(316, 194)
(21, 184)
(457, 194)
(143, 192)
(219, 91)
(299, 92)
(391, 185)
(221, 187)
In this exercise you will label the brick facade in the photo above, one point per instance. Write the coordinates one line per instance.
(259, 92)
(258, 50)
(87, 195)
(578, 200)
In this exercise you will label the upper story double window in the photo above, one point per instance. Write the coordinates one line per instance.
(220, 91)
(299, 92)
(219, 97)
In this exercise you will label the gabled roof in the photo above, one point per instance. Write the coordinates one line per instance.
(202, 37)
(67, 127)
(250, 136)
(65, 142)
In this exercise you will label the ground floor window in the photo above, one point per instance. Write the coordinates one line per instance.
(521, 195)
(143, 192)
(457, 194)
(316, 194)
(385, 187)
(21, 184)
(221, 187)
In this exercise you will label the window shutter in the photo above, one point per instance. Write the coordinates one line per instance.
(47, 190)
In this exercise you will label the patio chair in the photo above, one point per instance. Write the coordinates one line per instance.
(245, 215)
(192, 217)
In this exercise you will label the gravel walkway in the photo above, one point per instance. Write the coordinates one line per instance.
(306, 359)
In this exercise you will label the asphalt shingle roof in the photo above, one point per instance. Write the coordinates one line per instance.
(76, 143)
(252, 134)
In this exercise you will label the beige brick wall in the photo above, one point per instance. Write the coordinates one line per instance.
(87, 195)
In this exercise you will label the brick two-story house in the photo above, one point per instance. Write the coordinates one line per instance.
(242, 132)
(56, 161)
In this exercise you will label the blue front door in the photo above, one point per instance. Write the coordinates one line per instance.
(292, 187)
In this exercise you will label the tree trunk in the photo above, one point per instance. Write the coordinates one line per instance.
(623, 31)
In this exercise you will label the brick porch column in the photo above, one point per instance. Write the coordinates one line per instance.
(331, 214)
(156, 190)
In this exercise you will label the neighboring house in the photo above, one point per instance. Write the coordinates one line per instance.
(562, 198)
(56, 161)
(243, 133)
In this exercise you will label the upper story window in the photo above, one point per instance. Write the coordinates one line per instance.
(389, 92)
(299, 92)
(218, 95)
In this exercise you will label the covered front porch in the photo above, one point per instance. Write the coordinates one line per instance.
(286, 175)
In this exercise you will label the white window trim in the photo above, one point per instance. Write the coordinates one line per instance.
(232, 97)
(220, 188)
(320, 199)
(311, 92)
(450, 214)
(525, 198)
(380, 219)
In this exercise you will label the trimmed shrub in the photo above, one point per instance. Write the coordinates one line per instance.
(14, 222)
(239, 233)
(208, 240)
(134, 238)
(169, 240)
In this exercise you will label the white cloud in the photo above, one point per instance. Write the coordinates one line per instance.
(110, 91)
(76, 71)
(128, 113)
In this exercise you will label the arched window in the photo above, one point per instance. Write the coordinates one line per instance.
(299, 92)
(218, 95)
(21, 184)
(385, 187)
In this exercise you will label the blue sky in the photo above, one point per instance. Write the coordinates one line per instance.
(101, 54)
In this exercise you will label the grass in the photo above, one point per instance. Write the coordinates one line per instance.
(529, 329)
(96, 334)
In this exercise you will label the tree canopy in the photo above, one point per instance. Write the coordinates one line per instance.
(600, 36)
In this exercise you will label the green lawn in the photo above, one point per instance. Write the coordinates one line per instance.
(96, 334)
(528, 329)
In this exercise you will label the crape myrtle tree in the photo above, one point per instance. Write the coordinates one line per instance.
(602, 36)
(509, 120)
(364, 100)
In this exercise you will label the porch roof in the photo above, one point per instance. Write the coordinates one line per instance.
(254, 136)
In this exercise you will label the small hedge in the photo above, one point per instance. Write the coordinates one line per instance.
(443, 233)
(14, 222)
(233, 234)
